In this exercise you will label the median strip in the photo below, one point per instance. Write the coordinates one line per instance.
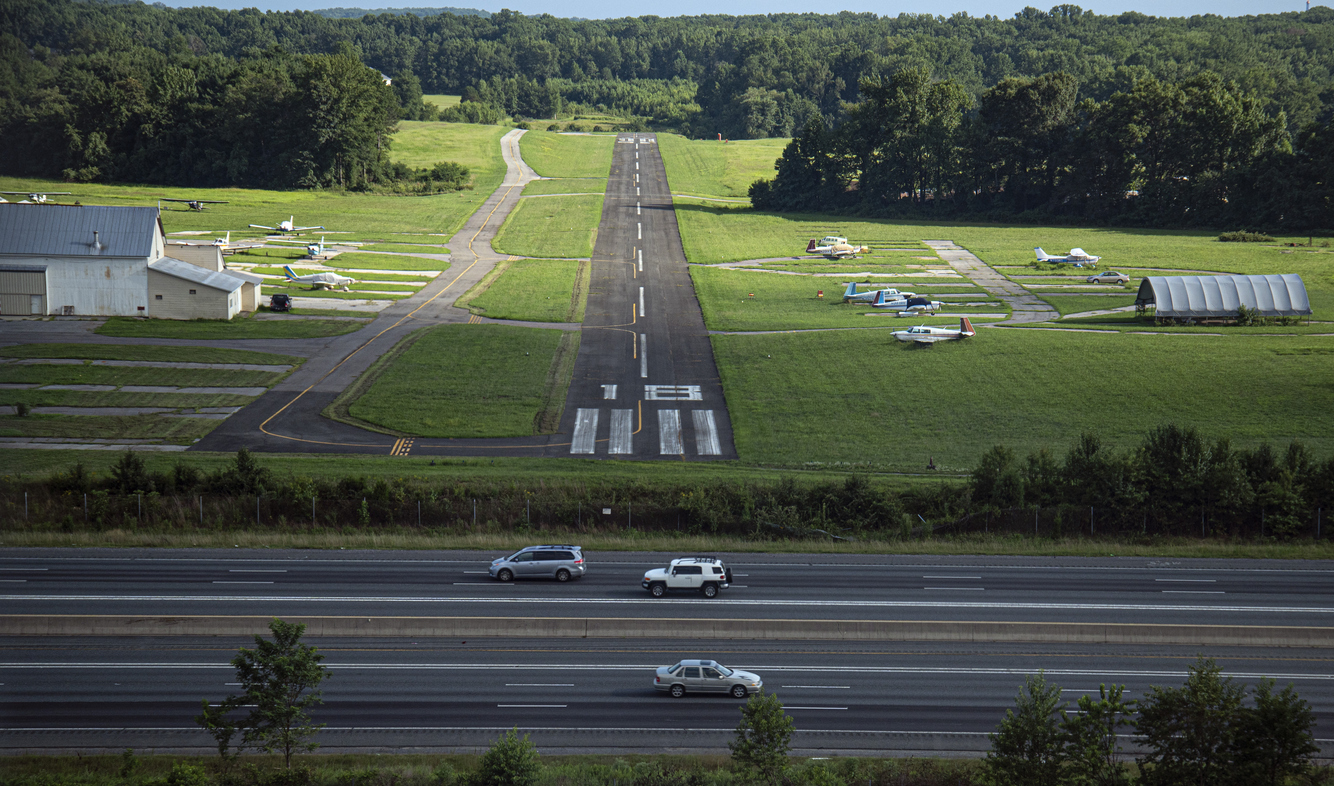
(679, 628)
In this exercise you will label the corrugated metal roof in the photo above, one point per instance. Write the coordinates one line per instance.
(184, 270)
(67, 230)
(244, 276)
(1197, 297)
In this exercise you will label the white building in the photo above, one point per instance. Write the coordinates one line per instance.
(77, 260)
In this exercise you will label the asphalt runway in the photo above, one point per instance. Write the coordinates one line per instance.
(591, 695)
(767, 586)
(645, 384)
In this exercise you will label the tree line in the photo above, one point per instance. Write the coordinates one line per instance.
(1202, 151)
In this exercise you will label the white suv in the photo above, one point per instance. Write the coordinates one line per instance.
(706, 575)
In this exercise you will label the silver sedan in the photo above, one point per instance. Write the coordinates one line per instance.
(706, 676)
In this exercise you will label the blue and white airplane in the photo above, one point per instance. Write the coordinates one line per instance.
(1077, 257)
(907, 306)
(322, 280)
(853, 296)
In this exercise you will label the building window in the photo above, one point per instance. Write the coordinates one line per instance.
(192, 291)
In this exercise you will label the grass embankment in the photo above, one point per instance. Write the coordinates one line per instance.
(580, 185)
(354, 260)
(466, 381)
(720, 169)
(235, 328)
(792, 302)
(346, 215)
(146, 352)
(535, 290)
(867, 400)
(553, 227)
(560, 155)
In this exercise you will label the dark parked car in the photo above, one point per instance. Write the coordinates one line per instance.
(280, 302)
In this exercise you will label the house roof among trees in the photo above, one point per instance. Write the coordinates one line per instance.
(1197, 297)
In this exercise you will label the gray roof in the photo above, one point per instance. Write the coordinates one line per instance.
(209, 278)
(244, 276)
(67, 230)
(1220, 296)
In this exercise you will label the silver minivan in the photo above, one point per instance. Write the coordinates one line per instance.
(561, 563)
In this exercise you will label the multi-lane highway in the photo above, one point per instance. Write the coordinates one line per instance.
(595, 694)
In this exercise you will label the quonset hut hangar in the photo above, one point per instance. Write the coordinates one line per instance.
(74, 260)
(1220, 297)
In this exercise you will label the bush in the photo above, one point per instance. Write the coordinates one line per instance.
(511, 761)
(1244, 237)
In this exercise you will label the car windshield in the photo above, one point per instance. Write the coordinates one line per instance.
(723, 670)
(514, 556)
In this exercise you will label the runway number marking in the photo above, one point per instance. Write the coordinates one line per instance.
(673, 393)
(585, 431)
(609, 392)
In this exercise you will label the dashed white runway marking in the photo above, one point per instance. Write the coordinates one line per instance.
(622, 440)
(636, 188)
(643, 356)
(706, 433)
(641, 302)
(669, 432)
(640, 225)
(641, 261)
(585, 431)
(638, 210)
(609, 392)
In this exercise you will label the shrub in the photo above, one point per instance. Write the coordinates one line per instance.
(511, 761)
(1244, 237)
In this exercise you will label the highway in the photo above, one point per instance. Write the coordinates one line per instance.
(1124, 590)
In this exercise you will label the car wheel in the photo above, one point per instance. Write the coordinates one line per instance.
(505, 574)
(738, 691)
(710, 590)
(657, 591)
(678, 691)
(562, 575)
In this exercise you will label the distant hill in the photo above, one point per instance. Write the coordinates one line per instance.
(357, 13)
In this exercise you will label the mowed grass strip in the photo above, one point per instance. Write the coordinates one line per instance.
(536, 290)
(1075, 304)
(708, 167)
(180, 431)
(868, 400)
(424, 144)
(354, 260)
(145, 352)
(399, 277)
(43, 374)
(713, 234)
(463, 381)
(563, 226)
(581, 185)
(564, 155)
(405, 248)
(77, 398)
(790, 303)
(237, 327)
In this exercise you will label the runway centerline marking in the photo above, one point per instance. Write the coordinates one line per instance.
(643, 356)
(641, 301)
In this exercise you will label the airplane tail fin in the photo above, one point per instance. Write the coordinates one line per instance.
(966, 327)
(1041, 254)
(288, 270)
(879, 298)
(810, 247)
(851, 291)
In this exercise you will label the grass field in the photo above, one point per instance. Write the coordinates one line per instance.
(830, 396)
(197, 329)
(42, 374)
(1075, 304)
(79, 398)
(792, 303)
(180, 431)
(712, 168)
(567, 185)
(425, 144)
(145, 352)
(405, 248)
(536, 290)
(464, 381)
(551, 227)
(442, 101)
(355, 260)
(561, 155)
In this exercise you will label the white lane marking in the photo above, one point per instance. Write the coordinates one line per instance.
(962, 589)
(636, 152)
(636, 166)
(640, 224)
(1193, 592)
(706, 434)
(609, 392)
(814, 708)
(641, 302)
(1079, 690)
(539, 685)
(655, 729)
(246, 570)
(636, 187)
(916, 604)
(483, 584)
(21, 570)
(636, 180)
(13, 581)
(638, 212)
(819, 687)
(585, 431)
(952, 577)
(243, 582)
(673, 393)
(557, 706)
(1190, 581)
(669, 432)
(622, 437)
(643, 356)
(482, 572)
(641, 260)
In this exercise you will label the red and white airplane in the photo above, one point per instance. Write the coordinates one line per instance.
(930, 335)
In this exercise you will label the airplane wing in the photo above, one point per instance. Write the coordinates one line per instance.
(304, 229)
(261, 226)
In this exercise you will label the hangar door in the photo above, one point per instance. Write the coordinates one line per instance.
(22, 291)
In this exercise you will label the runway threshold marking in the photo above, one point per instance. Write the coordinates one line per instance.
(585, 431)
(621, 440)
(706, 434)
(410, 315)
(669, 432)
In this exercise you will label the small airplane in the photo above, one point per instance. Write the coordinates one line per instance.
(321, 280)
(34, 197)
(906, 306)
(195, 204)
(853, 296)
(1077, 257)
(285, 226)
(313, 249)
(930, 335)
(223, 242)
(835, 248)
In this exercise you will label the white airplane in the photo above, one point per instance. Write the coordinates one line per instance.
(907, 306)
(930, 335)
(223, 242)
(321, 280)
(835, 248)
(313, 249)
(1077, 257)
(34, 197)
(853, 296)
(285, 226)
(195, 204)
